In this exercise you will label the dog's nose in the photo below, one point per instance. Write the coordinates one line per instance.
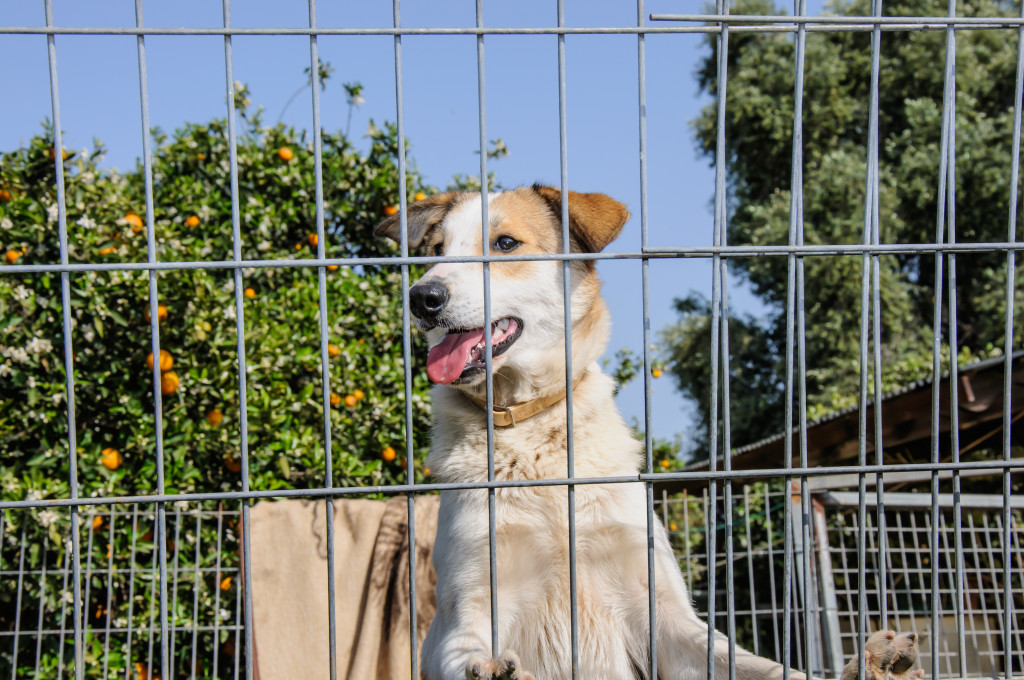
(428, 300)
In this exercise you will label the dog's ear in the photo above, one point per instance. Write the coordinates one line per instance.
(595, 219)
(420, 217)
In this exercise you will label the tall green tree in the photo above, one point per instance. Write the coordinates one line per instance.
(758, 140)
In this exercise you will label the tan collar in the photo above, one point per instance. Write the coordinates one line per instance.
(508, 416)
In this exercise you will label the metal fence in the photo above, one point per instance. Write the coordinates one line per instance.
(897, 573)
(73, 568)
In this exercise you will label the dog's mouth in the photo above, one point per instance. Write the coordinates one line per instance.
(460, 354)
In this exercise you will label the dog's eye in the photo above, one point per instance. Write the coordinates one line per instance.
(438, 249)
(506, 243)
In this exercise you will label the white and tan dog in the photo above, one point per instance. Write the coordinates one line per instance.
(528, 338)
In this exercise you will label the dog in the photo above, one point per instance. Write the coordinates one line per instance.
(531, 523)
(887, 656)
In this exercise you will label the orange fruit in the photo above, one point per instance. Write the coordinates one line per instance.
(419, 196)
(169, 383)
(673, 527)
(108, 250)
(664, 463)
(426, 471)
(12, 256)
(358, 394)
(335, 399)
(350, 401)
(388, 454)
(53, 154)
(249, 293)
(313, 240)
(391, 210)
(656, 373)
(161, 313)
(232, 464)
(332, 267)
(214, 417)
(135, 221)
(333, 351)
(192, 221)
(298, 246)
(111, 459)
(285, 154)
(5, 195)
(166, 361)
(225, 583)
(97, 522)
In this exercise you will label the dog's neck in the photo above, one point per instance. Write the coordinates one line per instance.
(511, 414)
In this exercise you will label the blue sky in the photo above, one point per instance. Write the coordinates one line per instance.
(99, 93)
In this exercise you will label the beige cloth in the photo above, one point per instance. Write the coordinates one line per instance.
(371, 578)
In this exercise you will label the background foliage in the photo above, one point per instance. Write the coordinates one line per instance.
(758, 129)
(201, 417)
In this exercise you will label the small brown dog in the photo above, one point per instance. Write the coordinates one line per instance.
(887, 656)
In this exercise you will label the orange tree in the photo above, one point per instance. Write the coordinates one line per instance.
(111, 340)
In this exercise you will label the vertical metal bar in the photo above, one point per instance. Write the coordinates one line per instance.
(218, 578)
(41, 606)
(870, 198)
(407, 339)
(794, 315)
(69, 367)
(652, 624)
(161, 532)
(716, 319)
(488, 350)
(1011, 270)
(325, 367)
(63, 611)
(110, 588)
(17, 601)
(750, 567)
(688, 530)
(195, 592)
(131, 591)
(871, 213)
(947, 103)
(771, 568)
(563, 158)
(175, 577)
(236, 248)
(730, 586)
(797, 233)
(953, 342)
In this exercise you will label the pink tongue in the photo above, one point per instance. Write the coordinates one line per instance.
(448, 358)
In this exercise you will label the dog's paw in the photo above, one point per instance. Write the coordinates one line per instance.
(505, 667)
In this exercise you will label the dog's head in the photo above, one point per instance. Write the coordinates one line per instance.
(527, 312)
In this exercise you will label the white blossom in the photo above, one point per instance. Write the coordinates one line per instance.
(6, 223)
(51, 212)
(86, 222)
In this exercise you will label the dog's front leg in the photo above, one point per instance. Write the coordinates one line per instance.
(458, 644)
(683, 636)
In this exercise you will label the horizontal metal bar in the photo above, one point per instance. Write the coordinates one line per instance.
(134, 629)
(700, 475)
(652, 253)
(849, 480)
(833, 20)
(921, 500)
(782, 24)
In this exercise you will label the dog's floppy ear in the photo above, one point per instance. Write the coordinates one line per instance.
(595, 219)
(421, 216)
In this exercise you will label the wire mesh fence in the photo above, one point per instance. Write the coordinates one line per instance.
(72, 603)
